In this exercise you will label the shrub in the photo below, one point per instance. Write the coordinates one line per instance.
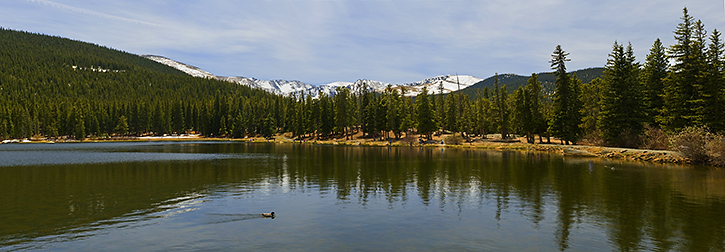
(692, 143)
(453, 139)
(654, 138)
(716, 149)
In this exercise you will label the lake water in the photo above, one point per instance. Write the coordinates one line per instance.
(202, 196)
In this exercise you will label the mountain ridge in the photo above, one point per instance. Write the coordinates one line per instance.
(464, 84)
(449, 83)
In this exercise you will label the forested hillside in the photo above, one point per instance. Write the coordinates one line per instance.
(51, 86)
(514, 81)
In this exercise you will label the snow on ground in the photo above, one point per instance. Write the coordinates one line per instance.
(449, 83)
(188, 69)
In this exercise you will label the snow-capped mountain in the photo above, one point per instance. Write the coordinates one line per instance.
(444, 83)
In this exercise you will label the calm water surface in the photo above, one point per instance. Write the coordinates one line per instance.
(198, 196)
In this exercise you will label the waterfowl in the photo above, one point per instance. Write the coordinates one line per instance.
(268, 214)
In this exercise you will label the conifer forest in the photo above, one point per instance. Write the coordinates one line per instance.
(60, 88)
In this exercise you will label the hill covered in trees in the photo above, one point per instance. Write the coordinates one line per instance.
(514, 81)
(52, 86)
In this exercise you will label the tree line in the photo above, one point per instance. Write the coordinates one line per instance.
(49, 88)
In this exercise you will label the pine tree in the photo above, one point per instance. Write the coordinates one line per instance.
(527, 109)
(450, 114)
(500, 108)
(566, 106)
(79, 127)
(522, 113)
(122, 126)
(622, 110)
(327, 122)
(343, 110)
(653, 74)
(537, 119)
(407, 114)
(712, 95)
(268, 128)
(680, 96)
(697, 101)
(394, 116)
(426, 123)
(591, 97)
(465, 117)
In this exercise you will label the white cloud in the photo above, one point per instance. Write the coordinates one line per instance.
(322, 41)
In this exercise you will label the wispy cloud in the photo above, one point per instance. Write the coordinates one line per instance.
(335, 40)
(80, 10)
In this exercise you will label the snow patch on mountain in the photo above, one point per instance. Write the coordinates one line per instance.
(188, 69)
(438, 84)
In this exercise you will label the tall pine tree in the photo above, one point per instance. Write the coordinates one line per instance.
(622, 111)
(680, 92)
(566, 114)
(426, 114)
(653, 74)
(712, 95)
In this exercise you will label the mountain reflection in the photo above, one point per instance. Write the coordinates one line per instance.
(640, 206)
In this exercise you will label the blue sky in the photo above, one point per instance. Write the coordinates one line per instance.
(322, 41)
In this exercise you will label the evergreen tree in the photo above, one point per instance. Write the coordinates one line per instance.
(622, 110)
(500, 108)
(382, 109)
(566, 106)
(79, 127)
(344, 109)
(394, 114)
(465, 118)
(591, 97)
(327, 122)
(450, 114)
(268, 128)
(368, 121)
(426, 123)
(653, 74)
(407, 114)
(528, 116)
(522, 113)
(122, 126)
(223, 129)
(536, 99)
(680, 96)
(712, 92)
(483, 115)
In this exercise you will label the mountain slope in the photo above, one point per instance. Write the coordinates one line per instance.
(48, 67)
(444, 83)
(514, 81)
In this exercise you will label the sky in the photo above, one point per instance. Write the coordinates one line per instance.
(393, 41)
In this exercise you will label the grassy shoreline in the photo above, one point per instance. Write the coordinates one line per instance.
(654, 156)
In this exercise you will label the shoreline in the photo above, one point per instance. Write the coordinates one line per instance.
(612, 153)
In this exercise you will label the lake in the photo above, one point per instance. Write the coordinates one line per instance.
(209, 196)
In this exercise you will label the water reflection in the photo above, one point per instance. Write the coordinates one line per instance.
(574, 203)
